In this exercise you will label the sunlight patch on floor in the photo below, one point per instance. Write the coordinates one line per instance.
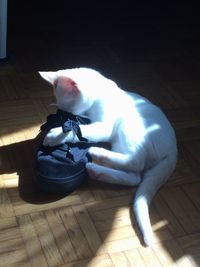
(10, 180)
(187, 260)
(16, 135)
(158, 225)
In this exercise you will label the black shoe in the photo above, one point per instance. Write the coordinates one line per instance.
(61, 169)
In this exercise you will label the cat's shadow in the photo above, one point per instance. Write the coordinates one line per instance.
(18, 160)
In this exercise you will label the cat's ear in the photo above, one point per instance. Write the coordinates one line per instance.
(49, 76)
(67, 84)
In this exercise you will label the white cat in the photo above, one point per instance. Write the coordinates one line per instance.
(144, 150)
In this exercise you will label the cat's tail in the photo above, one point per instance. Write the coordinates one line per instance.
(153, 179)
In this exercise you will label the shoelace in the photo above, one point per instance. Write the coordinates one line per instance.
(68, 122)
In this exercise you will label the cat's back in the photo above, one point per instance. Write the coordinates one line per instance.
(147, 110)
(158, 129)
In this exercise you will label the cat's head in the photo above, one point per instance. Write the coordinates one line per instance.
(73, 88)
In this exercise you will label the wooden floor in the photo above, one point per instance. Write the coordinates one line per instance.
(94, 226)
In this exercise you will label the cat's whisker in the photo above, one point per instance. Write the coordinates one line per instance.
(53, 104)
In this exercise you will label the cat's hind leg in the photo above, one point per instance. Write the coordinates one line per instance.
(116, 160)
(113, 176)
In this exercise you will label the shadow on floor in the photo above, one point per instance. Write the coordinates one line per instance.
(20, 158)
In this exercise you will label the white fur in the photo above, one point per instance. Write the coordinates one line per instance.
(143, 142)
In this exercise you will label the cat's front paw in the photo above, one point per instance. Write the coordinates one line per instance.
(55, 137)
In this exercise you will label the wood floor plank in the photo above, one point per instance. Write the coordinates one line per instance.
(193, 192)
(183, 174)
(88, 228)
(182, 207)
(20, 264)
(166, 213)
(109, 203)
(118, 233)
(13, 243)
(8, 223)
(149, 257)
(24, 113)
(6, 208)
(107, 224)
(163, 255)
(7, 90)
(119, 259)
(109, 213)
(22, 207)
(13, 257)
(192, 95)
(85, 194)
(32, 243)
(75, 233)
(179, 257)
(122, 244)
(98, 261)
(46, 238)
(8, 233)
(190, 244)
(134, 258)
(61, 236)
(12, 250)
(192, 149)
